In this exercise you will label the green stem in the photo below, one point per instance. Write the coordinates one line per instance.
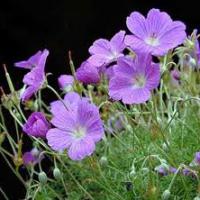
(4, 194)
(17, 120)
(10, 140)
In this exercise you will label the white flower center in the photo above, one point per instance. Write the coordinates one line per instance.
(79, 132)
(139, 81)
(152, 40)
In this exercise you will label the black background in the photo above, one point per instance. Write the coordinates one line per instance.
(27, 26)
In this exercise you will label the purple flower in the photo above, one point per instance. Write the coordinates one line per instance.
(36, 125)
(88, 73)
(197, 157)
(156, 34)
(32, 62)
(65, 82)
(104, 52)
(35, 78)
(133, 81)
(32, 157)
(78, 127)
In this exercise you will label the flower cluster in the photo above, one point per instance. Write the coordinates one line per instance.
(132, 77)
(127, 99)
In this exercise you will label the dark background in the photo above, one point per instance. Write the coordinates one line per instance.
(62, 25)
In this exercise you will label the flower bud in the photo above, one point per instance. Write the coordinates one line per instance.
(42, 177)
(36, 125)
(197, 198)
(129, 128)
(103, 160)
(132, 173)
(56, 173)
(166, 194)
(164, 146)
(66, 82)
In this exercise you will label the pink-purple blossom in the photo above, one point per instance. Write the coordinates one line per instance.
(34, 80)
(103, 52)
(65, 82)
(78, 126)
(155, 34)
(36, 125)
(88, 73)
(133, 80)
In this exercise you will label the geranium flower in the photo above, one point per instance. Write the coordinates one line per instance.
(35, 78)
(78, 127)
(156, 34)
(133, 81)
(104, 52)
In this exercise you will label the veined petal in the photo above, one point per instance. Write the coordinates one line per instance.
(117, 42)
(79, 149)
(100, 46)
(58, 139)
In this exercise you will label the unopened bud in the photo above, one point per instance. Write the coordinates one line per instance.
(132, 173)
(196, 198)
(103, 160)
(56, 173)
(129, 128)
(166, 194)
(42, 177)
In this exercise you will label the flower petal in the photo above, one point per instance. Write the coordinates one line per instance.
(100, 46)
(81, 148)
(136, 24)
(58, 139)
(117, 42)
(88, 73)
